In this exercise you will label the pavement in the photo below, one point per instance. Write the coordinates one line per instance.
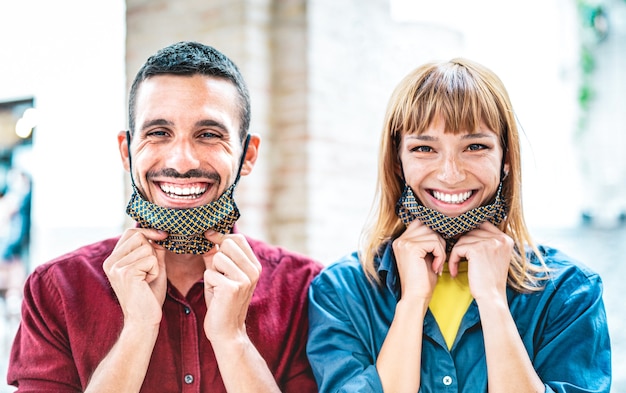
(601, 249)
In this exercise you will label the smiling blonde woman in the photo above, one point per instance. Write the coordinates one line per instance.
(448, 291)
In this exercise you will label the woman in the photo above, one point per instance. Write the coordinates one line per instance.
(448, 291)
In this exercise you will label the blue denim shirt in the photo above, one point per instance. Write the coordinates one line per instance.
(563, 327)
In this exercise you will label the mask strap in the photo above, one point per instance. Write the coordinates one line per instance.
(130, 161)
(243, 158)
(503, 173)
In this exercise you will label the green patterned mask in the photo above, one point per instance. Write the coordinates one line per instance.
(186, 227)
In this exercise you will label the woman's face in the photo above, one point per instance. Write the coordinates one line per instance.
(452, 173)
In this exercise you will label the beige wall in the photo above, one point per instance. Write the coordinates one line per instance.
(320, 73)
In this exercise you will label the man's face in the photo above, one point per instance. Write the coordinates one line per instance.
(186, 148)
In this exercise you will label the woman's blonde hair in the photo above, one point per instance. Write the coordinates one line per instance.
(464, 95)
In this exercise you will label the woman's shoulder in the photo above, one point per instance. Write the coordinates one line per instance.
(565, 269)
(557, 259)
(346, 270)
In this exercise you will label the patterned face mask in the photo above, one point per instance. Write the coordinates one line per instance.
(186, 227)
(408, 209)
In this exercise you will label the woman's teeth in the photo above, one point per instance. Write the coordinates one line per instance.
(452, 198)
(183, 192)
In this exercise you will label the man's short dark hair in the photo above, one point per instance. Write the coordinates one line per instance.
(191, 58)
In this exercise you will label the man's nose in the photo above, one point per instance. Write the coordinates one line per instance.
(182, 156)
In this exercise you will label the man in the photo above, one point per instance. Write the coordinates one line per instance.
(180, 303)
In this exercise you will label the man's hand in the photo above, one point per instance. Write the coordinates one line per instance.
(136, 270)
(232, 272)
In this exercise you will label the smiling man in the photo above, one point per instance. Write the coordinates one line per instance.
(181, 302)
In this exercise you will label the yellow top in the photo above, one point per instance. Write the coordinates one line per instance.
(450, 301)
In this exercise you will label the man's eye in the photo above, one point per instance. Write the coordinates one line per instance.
(157, 133)
(209, 135)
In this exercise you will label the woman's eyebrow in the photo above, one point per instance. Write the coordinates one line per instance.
(422, 137)
(478, 135)
(475, 135)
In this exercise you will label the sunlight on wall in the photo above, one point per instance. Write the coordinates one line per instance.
(531, 46)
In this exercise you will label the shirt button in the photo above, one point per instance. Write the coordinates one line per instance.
(447, 380)
(188, 379)
(187, 310)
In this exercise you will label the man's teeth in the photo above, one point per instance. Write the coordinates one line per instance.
(183, 192)
(452, 198)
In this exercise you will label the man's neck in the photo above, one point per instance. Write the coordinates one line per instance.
(184, 270)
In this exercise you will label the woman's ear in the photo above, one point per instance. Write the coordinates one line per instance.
(123, 146)
(398, 169)
(251, 154)
(505, 170)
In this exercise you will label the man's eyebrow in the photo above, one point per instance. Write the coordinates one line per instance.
(211, 123)
(201, 123)
(156, 122)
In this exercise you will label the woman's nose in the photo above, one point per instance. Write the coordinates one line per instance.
(451, 171)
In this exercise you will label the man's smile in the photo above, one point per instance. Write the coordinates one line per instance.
(186, 191)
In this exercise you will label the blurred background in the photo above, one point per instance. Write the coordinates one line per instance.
(320, 73)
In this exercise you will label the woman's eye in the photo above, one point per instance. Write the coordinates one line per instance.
(422, 149)
(476, 146)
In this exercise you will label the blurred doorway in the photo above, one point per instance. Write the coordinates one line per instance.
(18, 120)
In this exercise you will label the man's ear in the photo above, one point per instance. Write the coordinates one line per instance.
(123, 146)
(251, 154)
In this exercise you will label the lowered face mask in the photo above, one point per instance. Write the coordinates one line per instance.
(186, 227)
(408, 208)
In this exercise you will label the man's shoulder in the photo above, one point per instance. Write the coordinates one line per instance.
(271, 256)
(89, 255)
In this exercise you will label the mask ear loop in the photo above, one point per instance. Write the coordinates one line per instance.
(243, 158)
(130, 161)
(241, 162)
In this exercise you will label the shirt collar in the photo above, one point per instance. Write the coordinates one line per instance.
(388, 270)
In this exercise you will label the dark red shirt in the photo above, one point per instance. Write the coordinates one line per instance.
(71, 319)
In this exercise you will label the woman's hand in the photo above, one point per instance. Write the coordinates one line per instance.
(488, 251)
(420, 254)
